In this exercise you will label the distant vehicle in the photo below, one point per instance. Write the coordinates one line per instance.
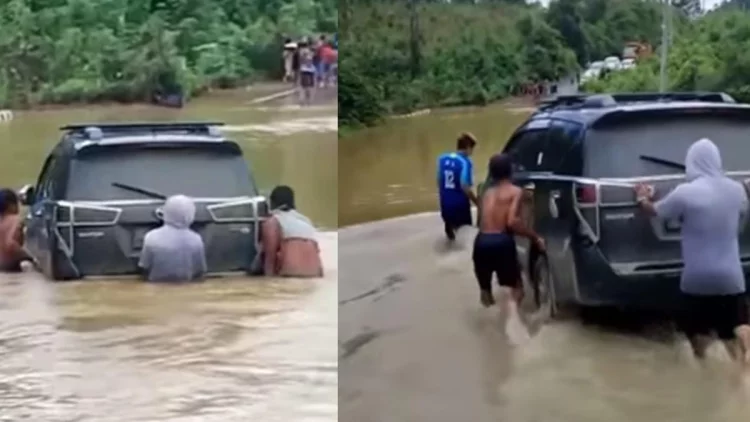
(612, 63)
(101, 188)
(598, 65)
(590, 74)
(628, 63)
(578, 158)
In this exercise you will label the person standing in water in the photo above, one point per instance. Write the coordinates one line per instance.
(710, 207)
(174, 252)
(12, 252)
(290, 245)
(495, 245)
(290, 49)
(307, 72)
(455, 180)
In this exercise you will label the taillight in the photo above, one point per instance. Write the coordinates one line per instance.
(80, 214)
(242, 210)
(586, 194)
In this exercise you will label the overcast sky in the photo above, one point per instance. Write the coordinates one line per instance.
(708, 4)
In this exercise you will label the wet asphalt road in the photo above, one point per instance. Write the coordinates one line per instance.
(415, 345)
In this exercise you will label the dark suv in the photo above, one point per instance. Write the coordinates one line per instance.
(578, 158)
(102, 186)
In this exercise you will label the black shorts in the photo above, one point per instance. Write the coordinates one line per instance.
(454, 218)
(704, 315)
(495, 253)
(307, 79)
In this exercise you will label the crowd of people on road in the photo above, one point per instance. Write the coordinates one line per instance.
(174, 252)
(709, 204)
(311, 63)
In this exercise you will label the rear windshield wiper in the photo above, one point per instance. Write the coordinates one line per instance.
(662, 161)
(136, 189)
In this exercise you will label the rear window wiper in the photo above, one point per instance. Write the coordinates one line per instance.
(669, 163)
(136, 189)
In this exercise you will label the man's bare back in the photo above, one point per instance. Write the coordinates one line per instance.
(499, 207)
(11, 243)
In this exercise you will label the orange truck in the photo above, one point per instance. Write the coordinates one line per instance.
(636, 50)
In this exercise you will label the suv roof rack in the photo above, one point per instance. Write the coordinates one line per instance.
(610, 100)
(96, 131)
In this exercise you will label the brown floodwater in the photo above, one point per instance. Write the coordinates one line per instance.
(415, 344)
(228, 349)
(389, 170)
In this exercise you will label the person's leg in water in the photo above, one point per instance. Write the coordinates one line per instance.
(508, 272)
(732, 327)
(450, 231)
(482, 257)
(456, 218)
(695, 321)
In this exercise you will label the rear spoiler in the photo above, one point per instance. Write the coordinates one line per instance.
(614, 99)
(625, 114)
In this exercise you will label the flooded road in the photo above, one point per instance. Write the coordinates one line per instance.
(223, 350)
(415, 344)
(283, 143)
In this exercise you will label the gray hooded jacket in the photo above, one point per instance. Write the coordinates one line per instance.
(710, 206)
(173, 252)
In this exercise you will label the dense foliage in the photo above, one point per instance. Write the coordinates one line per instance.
(81, 50)
(710, 53)
(462, 54)
(471, 52)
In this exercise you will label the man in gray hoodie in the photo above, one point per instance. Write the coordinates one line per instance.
(173, 252)
(710, 207)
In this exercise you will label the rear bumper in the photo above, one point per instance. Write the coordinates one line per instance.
(657, 288)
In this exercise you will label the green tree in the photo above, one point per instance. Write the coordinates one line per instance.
(79, 50)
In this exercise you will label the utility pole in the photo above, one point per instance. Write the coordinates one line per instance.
(666, 37)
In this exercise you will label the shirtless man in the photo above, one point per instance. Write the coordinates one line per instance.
(495, 246)
(12, 252)
(290, 245)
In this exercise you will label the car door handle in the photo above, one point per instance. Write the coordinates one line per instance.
(529, 186)
(554, 209)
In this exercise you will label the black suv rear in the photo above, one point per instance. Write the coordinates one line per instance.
(578, 158)
(102, 186)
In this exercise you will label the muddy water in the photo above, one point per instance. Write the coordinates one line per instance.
(390, 169)
(415, 344)
(223, 350)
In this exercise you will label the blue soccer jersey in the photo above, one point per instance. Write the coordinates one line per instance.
(454, 171)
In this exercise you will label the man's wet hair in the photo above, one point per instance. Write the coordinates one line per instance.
(282, 197)
(465, 141)
(8, 198)
(501, 167)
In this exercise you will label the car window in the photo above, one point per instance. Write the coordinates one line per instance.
(193, 172)
(527, 147)
(562, 153)
(618, 150)
(46, 183)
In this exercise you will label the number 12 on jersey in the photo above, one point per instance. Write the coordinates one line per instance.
(449, 179)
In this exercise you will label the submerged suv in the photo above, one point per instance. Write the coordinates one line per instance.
(578, 158)
(102, 187)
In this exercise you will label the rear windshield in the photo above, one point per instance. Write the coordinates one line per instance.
(198, 173)
(616, 151)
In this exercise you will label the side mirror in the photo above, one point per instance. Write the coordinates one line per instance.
(26, 194)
